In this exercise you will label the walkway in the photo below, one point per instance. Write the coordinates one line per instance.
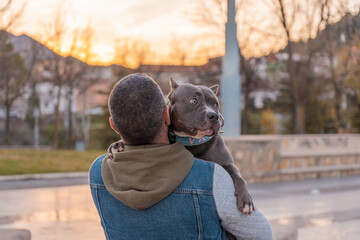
(317, 209)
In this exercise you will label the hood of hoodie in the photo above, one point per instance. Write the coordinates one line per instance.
(141, 176)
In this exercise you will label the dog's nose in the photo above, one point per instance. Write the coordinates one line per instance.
(213, 116)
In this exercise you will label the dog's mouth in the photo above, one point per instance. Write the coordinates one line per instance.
(211, 131)
(197, 133)
(197, 130)
(207, 132)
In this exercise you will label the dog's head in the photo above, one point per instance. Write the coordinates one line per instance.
(194, 110)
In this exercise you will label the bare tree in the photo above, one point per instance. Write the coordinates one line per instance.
(132, 52)
(342, 56)
(87, 80)
(123, 51)
(142, 51)
(301, 20)
(212, 14)
(352, 73)
(77, 76)
(286, 19)
(179, 49)
(32, 63)
(68, 73)
(316, 15)
(9, 15)
(55, 32)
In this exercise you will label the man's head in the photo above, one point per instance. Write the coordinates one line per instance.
(137, 109)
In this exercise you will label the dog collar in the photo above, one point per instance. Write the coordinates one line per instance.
(190, 141)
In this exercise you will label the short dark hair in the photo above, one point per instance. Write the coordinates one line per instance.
(136, 105)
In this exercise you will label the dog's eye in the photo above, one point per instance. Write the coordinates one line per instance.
(216, 104)
(193, 101)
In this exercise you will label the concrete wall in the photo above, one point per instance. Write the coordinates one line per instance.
(263, 158)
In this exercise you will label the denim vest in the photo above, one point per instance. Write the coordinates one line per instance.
(189, 212)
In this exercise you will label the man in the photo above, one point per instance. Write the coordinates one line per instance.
(157, 190)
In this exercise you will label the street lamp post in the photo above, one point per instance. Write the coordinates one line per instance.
(230, 91)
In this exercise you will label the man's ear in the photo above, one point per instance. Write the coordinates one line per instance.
(112, 125)
(167, 115)
(173, 84)
(215, 88)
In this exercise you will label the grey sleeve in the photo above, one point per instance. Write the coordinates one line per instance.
(242, 226)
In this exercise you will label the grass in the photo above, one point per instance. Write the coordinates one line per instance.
(32, 161)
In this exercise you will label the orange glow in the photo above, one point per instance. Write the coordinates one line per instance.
(104, 54)
(157, 23)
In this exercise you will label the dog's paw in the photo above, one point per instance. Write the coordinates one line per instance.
(115, 147)
(244, 202)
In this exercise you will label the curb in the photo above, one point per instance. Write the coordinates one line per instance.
(65, 175)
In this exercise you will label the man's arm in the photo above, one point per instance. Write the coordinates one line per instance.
(242, 226)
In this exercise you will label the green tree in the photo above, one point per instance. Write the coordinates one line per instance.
(12, 78)
(350, 69)
(268, 122)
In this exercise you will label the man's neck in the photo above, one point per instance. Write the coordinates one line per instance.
(159, 140)
(163, 137)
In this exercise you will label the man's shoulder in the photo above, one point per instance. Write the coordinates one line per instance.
(200, 176)
(212, 172)
(203, 165)
(213, 168)
(95, 177)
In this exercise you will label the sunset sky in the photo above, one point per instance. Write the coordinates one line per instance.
(164, 24)
(157, 21)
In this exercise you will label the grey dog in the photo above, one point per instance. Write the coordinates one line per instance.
(194, 113)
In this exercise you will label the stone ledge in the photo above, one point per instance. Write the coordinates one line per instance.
(292, 157)
(15, 234)
(319, 169)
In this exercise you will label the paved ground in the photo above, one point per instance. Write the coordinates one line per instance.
(327, 209)
(58, 209)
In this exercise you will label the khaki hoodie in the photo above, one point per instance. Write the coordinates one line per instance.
(141, 176)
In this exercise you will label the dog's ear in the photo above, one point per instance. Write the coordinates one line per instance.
(173, 84)
(215, 88)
